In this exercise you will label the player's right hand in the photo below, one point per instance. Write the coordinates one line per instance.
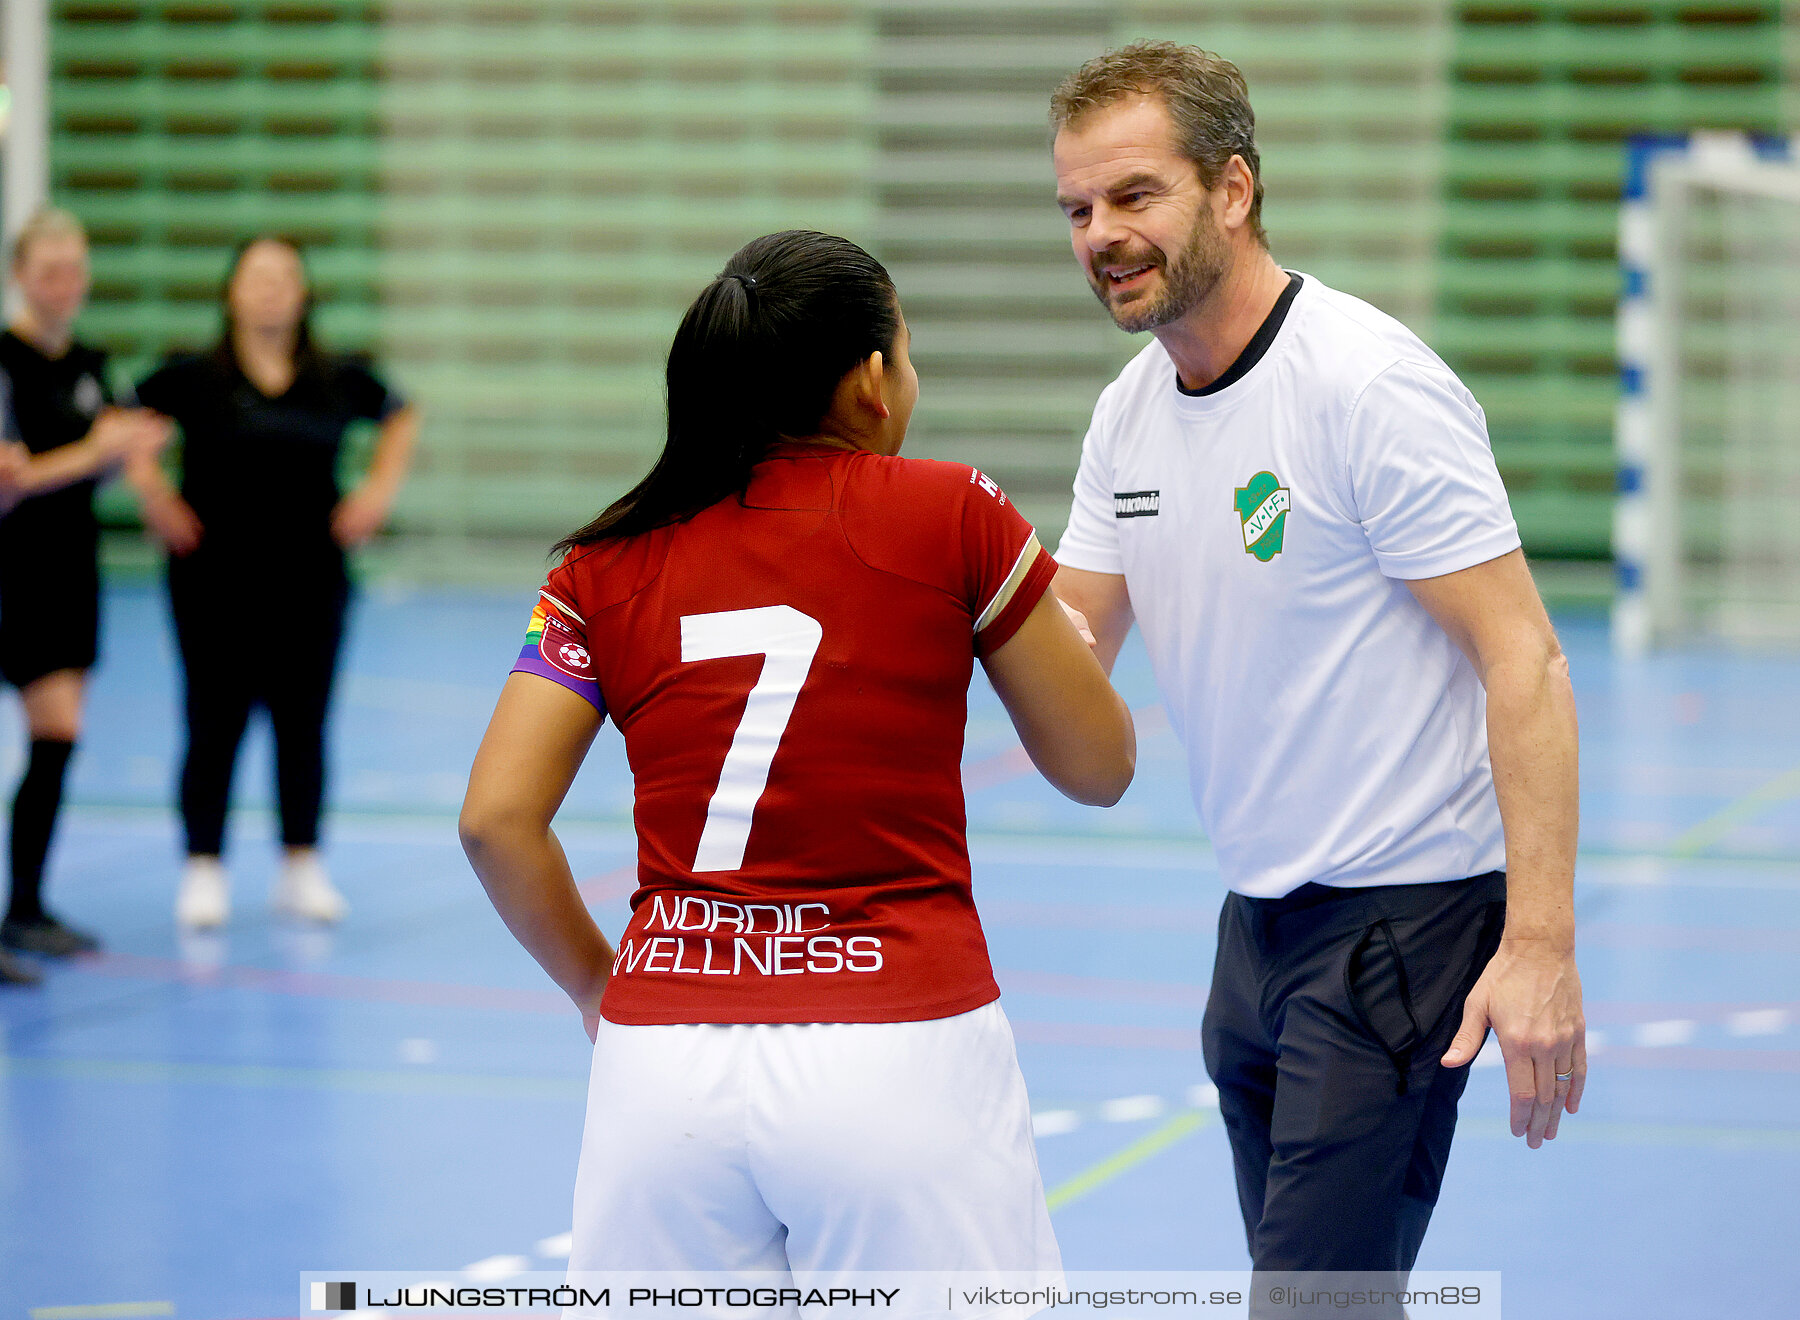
(147, 436)
(172, 521)
(129, 435)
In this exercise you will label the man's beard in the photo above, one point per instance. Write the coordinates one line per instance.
(1186, 280)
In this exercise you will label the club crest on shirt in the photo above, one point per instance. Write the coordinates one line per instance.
(88, 396)
(1262, 505)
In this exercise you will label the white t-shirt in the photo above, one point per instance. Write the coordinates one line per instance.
(1334, 733)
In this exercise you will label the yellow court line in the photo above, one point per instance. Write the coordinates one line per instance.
(1728, 818)
(103, 1311)
(1136, 1153)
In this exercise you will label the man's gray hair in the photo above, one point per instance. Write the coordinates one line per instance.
(1207, 99)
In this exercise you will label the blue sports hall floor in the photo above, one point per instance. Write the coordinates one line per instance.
(188, 1124)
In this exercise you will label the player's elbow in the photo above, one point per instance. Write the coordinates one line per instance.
(475, 831)
(483, 826)
(1105, 787)
(1098, 768)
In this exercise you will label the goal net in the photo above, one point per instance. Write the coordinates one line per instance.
(1707, 529)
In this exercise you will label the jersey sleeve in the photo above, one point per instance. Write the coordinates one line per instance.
(368, 395)
(1008, 571)
(1422, 475)
(9, 426)
(167, 389)
(556, 642)
(1091, 542)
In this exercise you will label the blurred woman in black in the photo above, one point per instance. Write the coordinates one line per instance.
(256, 534)
(63, 435)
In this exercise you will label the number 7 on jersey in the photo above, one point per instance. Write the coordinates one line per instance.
(787, 640)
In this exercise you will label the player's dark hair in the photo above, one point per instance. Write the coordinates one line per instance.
(759, 356)
(309, 361)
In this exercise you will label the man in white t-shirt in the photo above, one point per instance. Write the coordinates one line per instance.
(1296, 501)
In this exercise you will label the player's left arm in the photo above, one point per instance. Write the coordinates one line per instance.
(1530, 992)
(363, 512)
(540, 733)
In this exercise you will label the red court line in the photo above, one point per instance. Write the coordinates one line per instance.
(1099, 987)
(1100, 916)
(995, 769)
(1092, 1035)
(1614, 1012)
(1097, 1035)
(1676, 1057)
(1184, 920)
(326, 985)
(1715, 939)
(334, 985)
(620, 883)
(999, 767)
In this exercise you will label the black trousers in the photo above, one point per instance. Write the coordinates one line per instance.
(1329, 1011)
(242, 646)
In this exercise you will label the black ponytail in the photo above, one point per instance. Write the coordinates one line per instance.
(758, 356)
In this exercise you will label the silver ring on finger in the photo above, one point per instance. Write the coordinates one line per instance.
(1563, 1077)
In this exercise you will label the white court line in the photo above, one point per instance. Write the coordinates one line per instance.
(496, 1269)
(1757, 1022)
(1132, 1108)
(1660, 1035)
(1090, 851)
(102, 1311)
(1054, 1122)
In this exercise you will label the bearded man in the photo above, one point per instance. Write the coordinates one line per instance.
(1296, 501)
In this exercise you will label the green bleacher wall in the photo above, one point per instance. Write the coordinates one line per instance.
(1543, 98)
(511, 201)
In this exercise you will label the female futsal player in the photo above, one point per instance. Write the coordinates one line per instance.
(64, 435)
(799, 1064)
(256, 537)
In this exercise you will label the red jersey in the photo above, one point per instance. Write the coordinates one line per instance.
(790, 673)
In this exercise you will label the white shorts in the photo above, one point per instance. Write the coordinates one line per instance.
(811, 1148)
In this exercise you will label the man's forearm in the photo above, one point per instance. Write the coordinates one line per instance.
(1532, 745)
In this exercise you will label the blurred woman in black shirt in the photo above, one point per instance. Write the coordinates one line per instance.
(257, 534)
(62, 436)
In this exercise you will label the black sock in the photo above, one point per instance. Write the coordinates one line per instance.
(33, 821)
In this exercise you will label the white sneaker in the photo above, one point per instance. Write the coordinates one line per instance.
(305, 891)
(204, 900)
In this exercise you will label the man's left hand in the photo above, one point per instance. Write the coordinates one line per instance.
(1530, 994)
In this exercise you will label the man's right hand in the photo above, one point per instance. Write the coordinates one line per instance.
(1079, 619)
(1100, 608)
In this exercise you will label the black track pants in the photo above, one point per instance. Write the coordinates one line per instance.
(279, 653)
(1328, 1013)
